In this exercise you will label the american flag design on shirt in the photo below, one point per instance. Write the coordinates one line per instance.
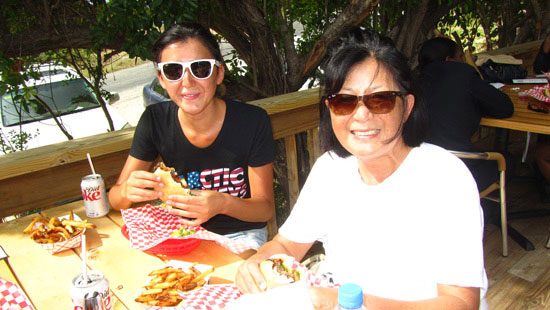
(223, 180)
(193, 180)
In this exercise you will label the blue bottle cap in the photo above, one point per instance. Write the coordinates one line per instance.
(350, 296)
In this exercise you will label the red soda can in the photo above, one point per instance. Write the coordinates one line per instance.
(94, 195)
(80, 289)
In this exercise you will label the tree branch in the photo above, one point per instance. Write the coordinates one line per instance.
(352, 16)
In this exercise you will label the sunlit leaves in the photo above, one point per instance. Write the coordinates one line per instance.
(140, 22)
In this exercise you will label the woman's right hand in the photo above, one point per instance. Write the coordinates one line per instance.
(249, 278)
(139, 186)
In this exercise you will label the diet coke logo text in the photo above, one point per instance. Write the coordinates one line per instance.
(91, 193)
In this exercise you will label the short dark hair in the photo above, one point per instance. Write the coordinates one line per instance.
(353, 48)
(183, 32)
(436, 49)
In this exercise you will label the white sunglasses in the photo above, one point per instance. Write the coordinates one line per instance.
(200, 69)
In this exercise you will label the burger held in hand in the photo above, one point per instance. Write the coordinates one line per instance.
(173, 184)
(280, 270)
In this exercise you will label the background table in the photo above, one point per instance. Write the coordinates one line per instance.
(46, 278)
(525, 120)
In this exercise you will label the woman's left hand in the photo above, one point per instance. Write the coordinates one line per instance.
(198, 208)
(323, 298)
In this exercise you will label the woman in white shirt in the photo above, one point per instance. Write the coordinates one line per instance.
(397, 216)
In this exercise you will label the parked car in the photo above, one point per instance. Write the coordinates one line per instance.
(70, 99)
(153, 93)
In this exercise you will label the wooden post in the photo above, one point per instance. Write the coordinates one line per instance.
(292, 170)
(313, 145)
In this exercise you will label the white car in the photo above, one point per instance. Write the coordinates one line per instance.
(69, 98)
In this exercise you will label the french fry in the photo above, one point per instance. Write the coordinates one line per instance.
(54, 222)
(160, 271)
(144, 298)
(83, 224)
(62, 231)
(70, 229)
(202, 275)
(163, 285)
(152, 291)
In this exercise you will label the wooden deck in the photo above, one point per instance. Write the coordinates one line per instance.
(521, 280)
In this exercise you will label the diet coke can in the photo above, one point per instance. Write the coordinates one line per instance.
(94, 195)
(80, 289)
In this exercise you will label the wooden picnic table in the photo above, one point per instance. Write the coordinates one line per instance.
(46, 278)
(523, 119)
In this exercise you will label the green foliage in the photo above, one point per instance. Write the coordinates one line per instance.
(141, 22)
(14, 140)
(313, 16)
(13, 83)
(16, 17)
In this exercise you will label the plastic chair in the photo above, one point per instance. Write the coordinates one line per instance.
(500, 185)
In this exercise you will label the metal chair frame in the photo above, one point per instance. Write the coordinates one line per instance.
(501, 185)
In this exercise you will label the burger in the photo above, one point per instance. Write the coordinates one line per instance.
(173, 184)
(280, 270)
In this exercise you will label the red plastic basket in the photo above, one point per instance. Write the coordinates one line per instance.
(172, 246)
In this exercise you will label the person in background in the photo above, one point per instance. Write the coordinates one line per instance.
(542, 61)
(457, 98)
(542, 159)
(542, 152)
(379, 198)
(224, 149)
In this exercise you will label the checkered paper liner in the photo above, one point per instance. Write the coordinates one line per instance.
(537, 92)
(12, 297)
(60, 246)
(150, 225)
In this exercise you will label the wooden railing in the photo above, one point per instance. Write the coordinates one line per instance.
(525, 51)
(45, 176)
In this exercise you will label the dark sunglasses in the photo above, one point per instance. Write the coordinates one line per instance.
(200, 69)
(378, 103)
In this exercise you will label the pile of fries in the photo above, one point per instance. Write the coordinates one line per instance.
(46, 230)
(162, 290)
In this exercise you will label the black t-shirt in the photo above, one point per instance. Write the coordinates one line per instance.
(456, 100)
(245, 139)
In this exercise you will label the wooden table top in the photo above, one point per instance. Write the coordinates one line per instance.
(523, 119)
(46, 278)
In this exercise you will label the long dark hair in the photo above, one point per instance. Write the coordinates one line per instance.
(355, 47)
(183, 32)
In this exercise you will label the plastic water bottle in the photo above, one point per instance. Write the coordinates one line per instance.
(350, 297)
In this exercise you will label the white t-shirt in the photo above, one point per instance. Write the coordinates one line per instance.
(422, 226)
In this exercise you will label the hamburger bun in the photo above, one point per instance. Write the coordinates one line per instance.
(278, 270)
(173, 184)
